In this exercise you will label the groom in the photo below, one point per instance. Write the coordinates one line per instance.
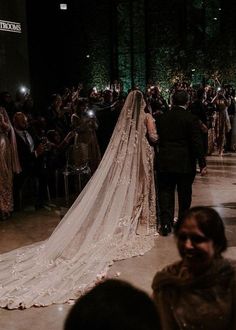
(180, 146)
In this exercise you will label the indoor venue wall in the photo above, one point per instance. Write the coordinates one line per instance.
(14, 66)
(134, 41)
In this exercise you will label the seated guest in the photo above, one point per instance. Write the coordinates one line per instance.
(113, 305)
(199, 291)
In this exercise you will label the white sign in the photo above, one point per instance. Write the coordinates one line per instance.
(10, 26)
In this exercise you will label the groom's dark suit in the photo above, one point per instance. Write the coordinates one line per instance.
(180, 145)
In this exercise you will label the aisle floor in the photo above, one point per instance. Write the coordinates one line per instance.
(217, 189)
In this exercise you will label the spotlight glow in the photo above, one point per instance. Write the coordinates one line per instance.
(23, 89)
(90, 113)
(63, 6)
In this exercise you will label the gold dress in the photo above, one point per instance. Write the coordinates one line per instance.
(9, 163)
(86, 145)
(6, 199)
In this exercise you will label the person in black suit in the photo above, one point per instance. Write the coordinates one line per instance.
(199, 109)
(180, 146)
(30, 154)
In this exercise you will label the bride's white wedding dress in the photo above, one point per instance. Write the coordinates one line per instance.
(113, 218)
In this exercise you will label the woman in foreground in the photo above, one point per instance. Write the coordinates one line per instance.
(113, 218)
(198, 292)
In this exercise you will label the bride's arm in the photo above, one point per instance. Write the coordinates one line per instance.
(151, 128)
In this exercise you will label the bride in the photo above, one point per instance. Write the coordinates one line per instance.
(113, 218)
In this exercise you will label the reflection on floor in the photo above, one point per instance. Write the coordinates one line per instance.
(217, 190)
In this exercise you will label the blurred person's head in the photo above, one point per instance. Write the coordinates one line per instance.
(221, 92)
(20, 121)
(28, 104)
(201, 93)
(113, 305)
(200, 236)
(20, 96)
(180, 97)
(81, 107)
(5, 98)
(155, 91)
(54, 136)
(56, 100)
(108, 96)
(39, 125)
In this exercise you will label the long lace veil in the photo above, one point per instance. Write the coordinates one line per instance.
(113, 218)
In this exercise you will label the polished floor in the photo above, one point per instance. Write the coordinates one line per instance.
(217, 189)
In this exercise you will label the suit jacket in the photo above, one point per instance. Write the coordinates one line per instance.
(180, 142)
(27, 158)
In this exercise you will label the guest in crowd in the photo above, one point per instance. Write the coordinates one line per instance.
(56, 159)
(198, 108)
(230, 96)
(30, 153)
(57, 117)
(29, 109)
(9, 163)
(86, 145)
(222, 121)
(7, 102)
(211, 117)
(199, 291)
(58, 147)
(107, 117)
(20, 98)
(113, 305)
(157, 102)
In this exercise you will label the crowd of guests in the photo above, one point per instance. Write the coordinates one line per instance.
(75, 129)
(37, 147)
(215, 108)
